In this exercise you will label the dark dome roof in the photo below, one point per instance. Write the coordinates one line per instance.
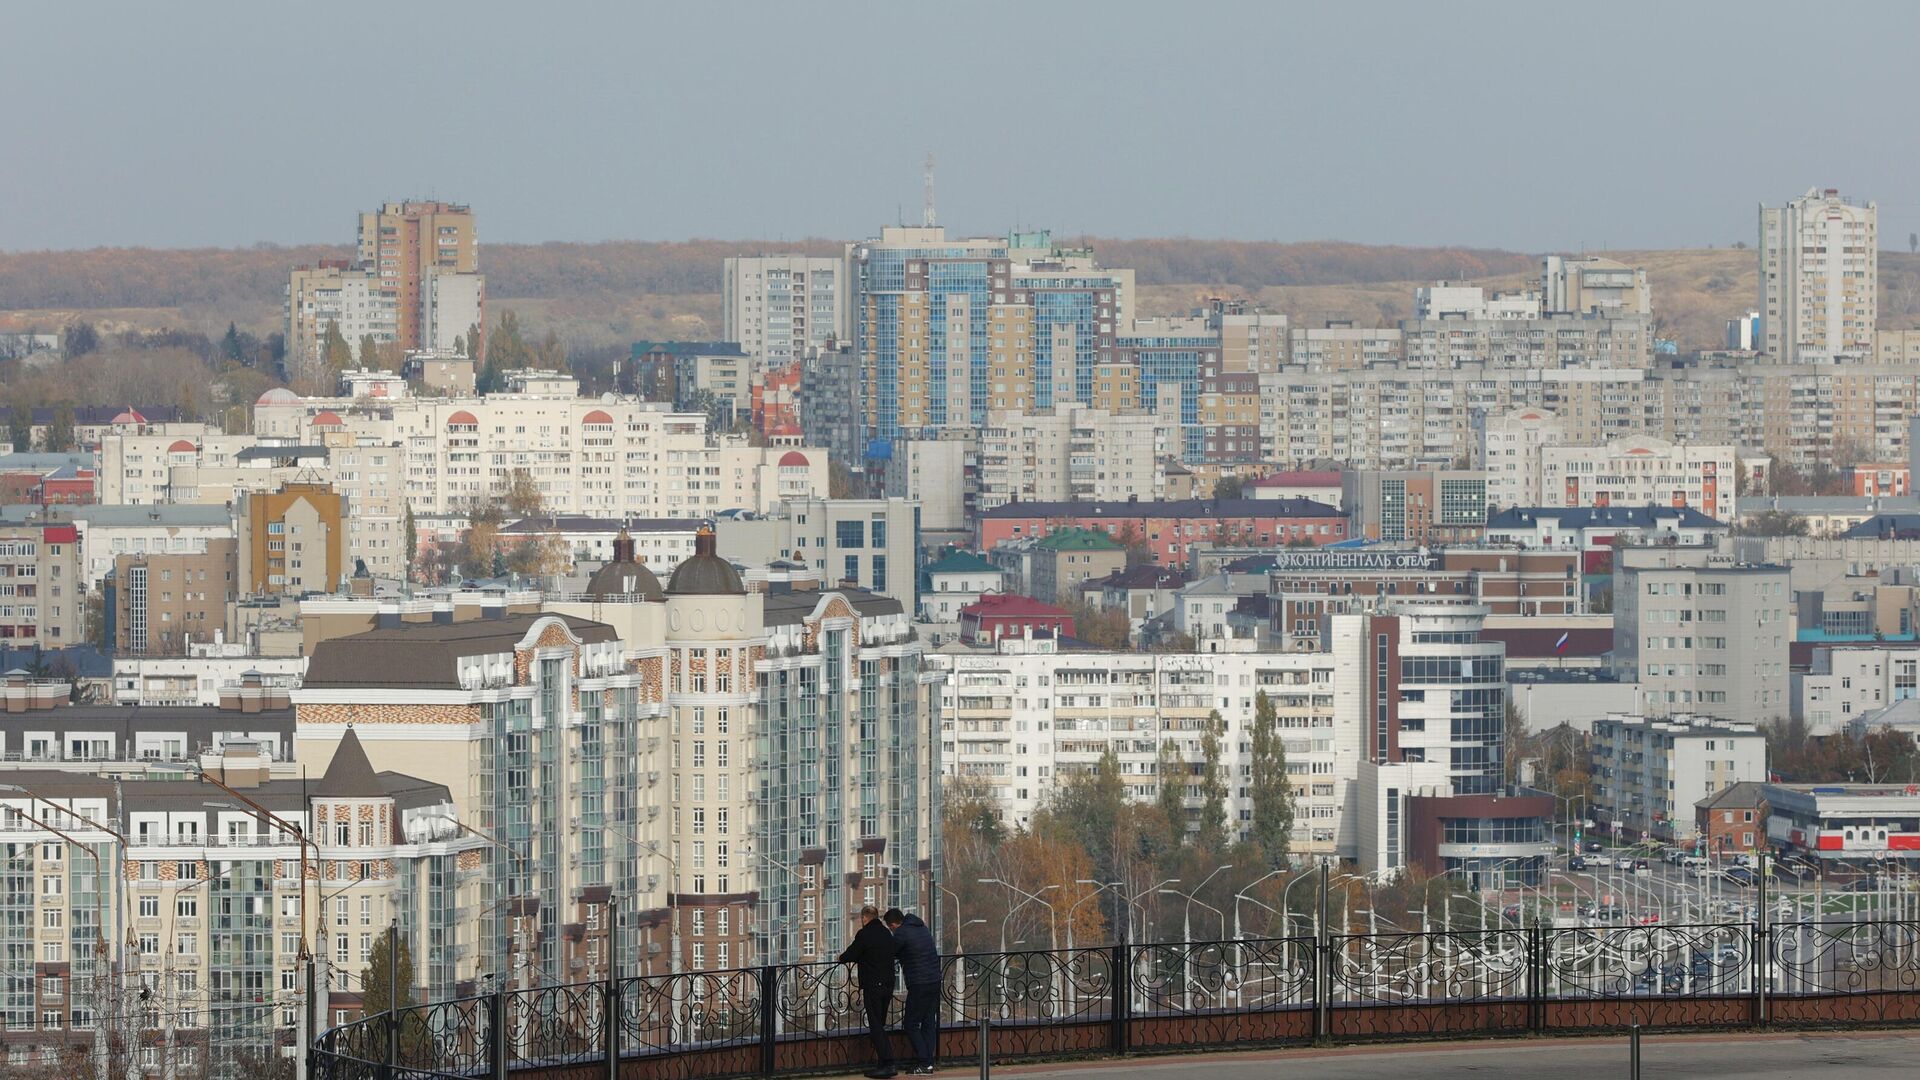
(705, 574)
(623, 577)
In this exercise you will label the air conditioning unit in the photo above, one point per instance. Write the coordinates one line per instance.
(653, 882)
(653, 946)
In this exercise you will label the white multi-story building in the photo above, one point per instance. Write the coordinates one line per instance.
(1701, 632)
(453, 306)
(1510, 445)
(603, 457)
(1074, 453)
(1412, 686)
(1648, 772)
(1025, 719)
(107, 532)
(1593, 285)
(779, 306)
(1819, 278)
(1640, 471)
(1845, 682)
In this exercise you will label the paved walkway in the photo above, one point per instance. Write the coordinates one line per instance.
(1786, 1056)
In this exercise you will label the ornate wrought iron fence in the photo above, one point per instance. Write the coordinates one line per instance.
(1174, 995)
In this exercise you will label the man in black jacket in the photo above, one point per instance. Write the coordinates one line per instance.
(873, 952)
(920, 967)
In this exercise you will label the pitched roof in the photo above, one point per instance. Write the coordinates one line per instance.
(1170, 508)
(1328, 478)
(1144, 576)
(963, 562)
(425, 656)
(350, 775)
(1587, 517)
(1885, 527)
(1077, 539)
(785, 609)
(1745, 793)
(1002, 605)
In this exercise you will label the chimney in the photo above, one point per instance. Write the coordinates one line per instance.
(703, 542)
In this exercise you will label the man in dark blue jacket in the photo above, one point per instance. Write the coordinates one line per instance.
(920, 967)
(873, 952)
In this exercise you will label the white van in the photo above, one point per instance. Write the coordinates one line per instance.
(1694, 865)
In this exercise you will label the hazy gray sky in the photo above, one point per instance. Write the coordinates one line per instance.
(1529, 126)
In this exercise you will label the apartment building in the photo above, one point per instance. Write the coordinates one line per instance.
(1065, 559)
(1341, 346)
(1649, 772)
(1412, 687)
(1593, 285)
(700, 754)
(1819, 278)
(1701, 632)
(107, 532)
(873, 544)
(1642, 471)
(42, 588)
(162, 603)
(202, 903)
(1304, 587)
(404, 245)
(942, 475)
(336, 293)
(292, 541)
(1509, 453)
(1072, 452)
(1845, 682)
(604, 457)
(779, 306)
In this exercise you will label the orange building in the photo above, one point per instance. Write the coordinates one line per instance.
(293, 540)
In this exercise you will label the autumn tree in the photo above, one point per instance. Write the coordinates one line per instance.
(480, 553)
(411, 537)
(369, 352)
(1270, 790)
(1772, 523)
(522, 496)
(1229, 487)
(1104, 627)
(1138, 553)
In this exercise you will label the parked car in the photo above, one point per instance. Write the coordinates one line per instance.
(1739, 875)
(1623, 863)
(1864, 884)
(1578, 862)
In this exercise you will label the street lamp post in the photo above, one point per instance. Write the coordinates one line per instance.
(1033, 897)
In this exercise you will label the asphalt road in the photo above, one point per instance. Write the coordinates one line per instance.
(1771, 1057)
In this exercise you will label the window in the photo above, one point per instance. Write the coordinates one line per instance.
(850, 534)
(149, 907)
(187, 907)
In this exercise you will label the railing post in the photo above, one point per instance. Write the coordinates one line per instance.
(1322, 967)
(769, 1001)
(1762, 946)
(610, 1025)
(497, 1045)
(1536, 979)
(393, 1001)
(1119, 1036)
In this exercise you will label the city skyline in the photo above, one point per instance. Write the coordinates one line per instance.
(1312, 148)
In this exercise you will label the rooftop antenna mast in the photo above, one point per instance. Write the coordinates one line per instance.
(926, 210)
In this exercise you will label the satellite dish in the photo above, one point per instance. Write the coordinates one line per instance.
(608, 398)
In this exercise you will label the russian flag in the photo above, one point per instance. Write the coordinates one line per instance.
(1561, 645)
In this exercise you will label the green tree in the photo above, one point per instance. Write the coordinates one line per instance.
(1171, 799)
(1089, 807)
(1213, 835)
(369, 352)
(20, 427)
(1229, 487)
(230, 346)
(550, 355)
(1269, 788)
(506, 348)
(334, 348)
(1772, 523)
(386, 985)
(60, 438)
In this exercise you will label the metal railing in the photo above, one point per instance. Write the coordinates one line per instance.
(1118, 999)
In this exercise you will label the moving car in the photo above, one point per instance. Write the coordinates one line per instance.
(1739, 875)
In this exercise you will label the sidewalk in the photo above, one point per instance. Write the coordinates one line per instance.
(1778, 1056)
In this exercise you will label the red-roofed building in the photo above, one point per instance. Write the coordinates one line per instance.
(463, 419)
(327, 418)
(598, 416)
(1320, 485)
(1001, 615)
